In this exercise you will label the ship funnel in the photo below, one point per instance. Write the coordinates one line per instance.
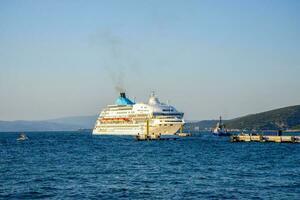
(123, 95)
(123, 100)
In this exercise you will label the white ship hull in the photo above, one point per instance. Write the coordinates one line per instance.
(136, 129)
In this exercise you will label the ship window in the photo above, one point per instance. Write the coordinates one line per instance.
(170, 110)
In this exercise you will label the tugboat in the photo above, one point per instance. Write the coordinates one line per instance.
(220, 129)
(22, 137)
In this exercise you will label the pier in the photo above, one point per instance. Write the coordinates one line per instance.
(184, 134)
(144, 137)
(181, 134)
(264, 138)
(154, 136)
(147, 135)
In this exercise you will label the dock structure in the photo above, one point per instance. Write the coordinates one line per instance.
(264, 138)
(151, 136)
(184, 134)
(142, 137)
(181, 134)
(147, 135)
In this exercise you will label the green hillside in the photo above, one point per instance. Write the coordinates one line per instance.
(283, 118)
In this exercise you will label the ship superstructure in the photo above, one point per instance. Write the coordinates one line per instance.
(126, 117)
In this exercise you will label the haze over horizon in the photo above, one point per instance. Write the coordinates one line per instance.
(208, 58)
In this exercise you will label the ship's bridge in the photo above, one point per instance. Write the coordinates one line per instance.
(159, 108)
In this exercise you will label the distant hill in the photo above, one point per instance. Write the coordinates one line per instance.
(19, 126)
(287, 118)
(200, 125)
(60, 124)
(83, 121)
(282, 118)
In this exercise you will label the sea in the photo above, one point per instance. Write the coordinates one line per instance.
(73, 165)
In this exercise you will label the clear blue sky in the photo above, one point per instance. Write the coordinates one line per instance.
(209, 58)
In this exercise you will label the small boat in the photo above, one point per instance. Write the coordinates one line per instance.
(220, 129)
(184, 134)
(22, 137)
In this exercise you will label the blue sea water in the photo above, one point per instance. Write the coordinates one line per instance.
(71, 165)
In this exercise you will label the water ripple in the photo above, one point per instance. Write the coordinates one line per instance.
(81, 166)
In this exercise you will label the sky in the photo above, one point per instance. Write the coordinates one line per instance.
(207, 58)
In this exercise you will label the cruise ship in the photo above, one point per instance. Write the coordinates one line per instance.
(126, 117)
